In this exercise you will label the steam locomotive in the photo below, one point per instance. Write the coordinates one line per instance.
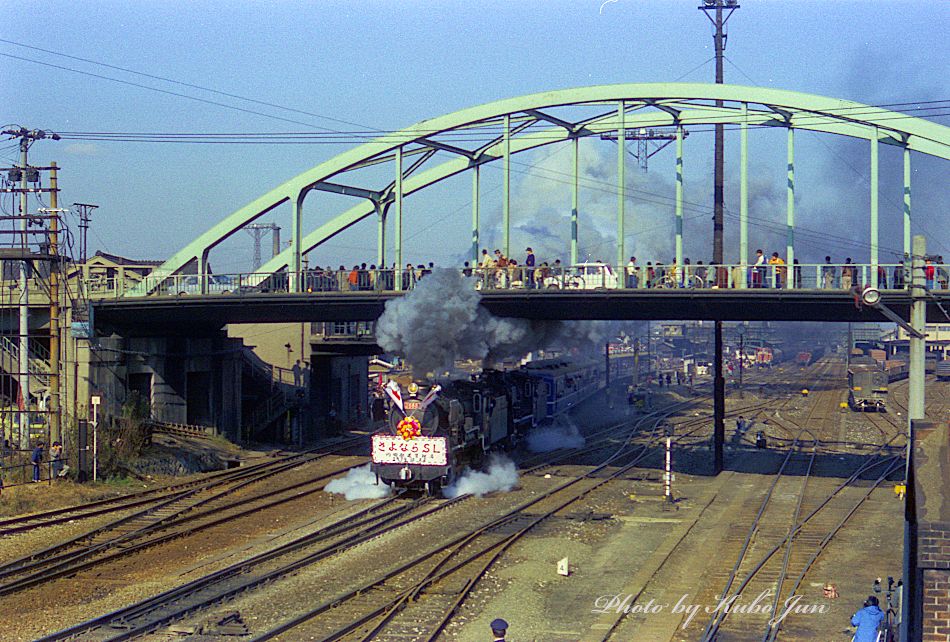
(436, 430)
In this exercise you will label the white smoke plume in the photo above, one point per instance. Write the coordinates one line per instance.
(502, 475)
(563, 434)
(440, 321)
(359, 483)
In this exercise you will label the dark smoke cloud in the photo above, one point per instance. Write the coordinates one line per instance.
(440, 321)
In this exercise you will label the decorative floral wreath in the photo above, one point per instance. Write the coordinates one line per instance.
(409, 428)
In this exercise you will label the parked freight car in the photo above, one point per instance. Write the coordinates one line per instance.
(867, 387)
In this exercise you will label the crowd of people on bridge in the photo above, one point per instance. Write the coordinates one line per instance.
(495, 270)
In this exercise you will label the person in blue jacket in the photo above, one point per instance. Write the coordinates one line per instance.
(867, 620)
(36, 459)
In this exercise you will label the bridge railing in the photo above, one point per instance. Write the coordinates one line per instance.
(586, 276)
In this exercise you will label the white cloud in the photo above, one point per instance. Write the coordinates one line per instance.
(82, 149)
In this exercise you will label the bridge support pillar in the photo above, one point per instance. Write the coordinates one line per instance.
(574, 200)
(397, 222)
(338, 393)
(621, 180)
(679, 201)
(874, 207)
(924, 473)
(790, 212)
(475, 193)
(744, 197)
(506, 189)
(906, 201)
(381, 236)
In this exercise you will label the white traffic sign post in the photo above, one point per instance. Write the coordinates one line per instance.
(95, 400)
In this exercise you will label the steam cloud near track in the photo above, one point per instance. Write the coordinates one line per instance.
(563, 434)
(440, 321)
(501, 476)
(358, 483)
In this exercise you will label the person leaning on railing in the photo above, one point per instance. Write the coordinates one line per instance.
(899, 275)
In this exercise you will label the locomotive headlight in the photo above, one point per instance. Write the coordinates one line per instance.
(413, 388)
(871, 296)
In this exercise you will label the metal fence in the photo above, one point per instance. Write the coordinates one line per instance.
(587, 276)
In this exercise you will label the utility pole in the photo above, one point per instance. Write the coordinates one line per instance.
(714, 11)
(55, 405)
(26, 176)
(85, 214)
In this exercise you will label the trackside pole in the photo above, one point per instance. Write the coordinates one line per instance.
(668, 473)
(719, 405)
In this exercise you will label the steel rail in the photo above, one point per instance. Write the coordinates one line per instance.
(43, 565)
(754, 527)
(462, 540)
(773, 631)
(73, 563)
(768, 555)
(713, 624)
(354, 522)
(94, 508)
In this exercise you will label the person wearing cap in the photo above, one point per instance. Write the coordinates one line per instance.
(529, 268)
(868, 619)
(499, 629)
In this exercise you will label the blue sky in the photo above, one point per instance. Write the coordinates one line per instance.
(387, 65)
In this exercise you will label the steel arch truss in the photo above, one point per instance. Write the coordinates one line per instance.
(436, 149)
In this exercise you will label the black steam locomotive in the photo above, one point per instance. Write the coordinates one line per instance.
(436, 430)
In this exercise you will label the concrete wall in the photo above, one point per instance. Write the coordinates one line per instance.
(269, 341)
(338, 386)
(190, 380)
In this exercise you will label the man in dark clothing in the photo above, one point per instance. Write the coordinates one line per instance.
(529, 272)
(36, 459)
(867, 620)
(499, 629)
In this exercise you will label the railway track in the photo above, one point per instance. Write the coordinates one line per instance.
(190, 599)
(33, 521)
(177, 517)
(268, 567)
(391, 604)
(788, 533)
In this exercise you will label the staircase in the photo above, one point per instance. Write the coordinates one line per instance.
(283, 395)
(271, 409)
(38, 363)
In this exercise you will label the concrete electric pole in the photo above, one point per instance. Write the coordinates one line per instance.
(714, 11)
(85, 215)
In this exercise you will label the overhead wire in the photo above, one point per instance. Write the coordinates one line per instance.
(336, 136)
(182, 83)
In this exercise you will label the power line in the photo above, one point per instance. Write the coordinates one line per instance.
(183, 84)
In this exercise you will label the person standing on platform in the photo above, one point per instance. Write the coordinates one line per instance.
(758, 275)
(632, 270)
(899, 276)
(529, 269)
(828, 274)
(779, 266)
(930, 273)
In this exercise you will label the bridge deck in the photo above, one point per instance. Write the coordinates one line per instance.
(170, 314)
